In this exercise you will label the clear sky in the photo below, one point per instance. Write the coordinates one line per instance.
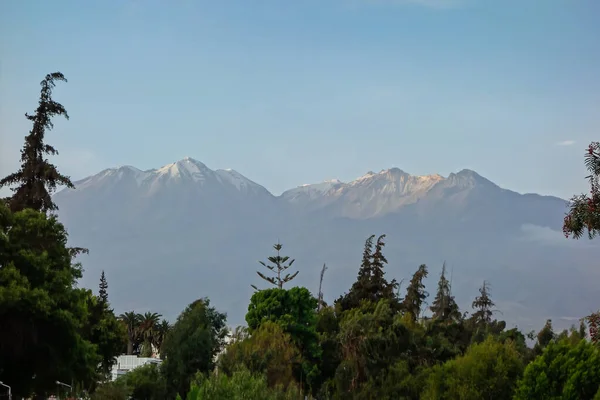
(298, 91)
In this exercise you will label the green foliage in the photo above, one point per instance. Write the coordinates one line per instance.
(105, 331)
(278, 266)
(112, 391)
(103, 288)
(145, 383)
(416, 293)
(43, 313)
(191, 346)
(565, 370)
(38, 178)
(145, 333)
(241, 385)
(295, 311)
(370, 338)
(584, 213)
(371, 284)
(269, 351)
(444, 307)
(483, 306)
(488, 370)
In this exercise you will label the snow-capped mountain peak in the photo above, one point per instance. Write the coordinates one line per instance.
(187, 167)
(186, 172)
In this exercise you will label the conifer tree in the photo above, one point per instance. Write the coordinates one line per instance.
(546, 335)
(483, 306)
(371, 284)
(321, 302)
(103, 292)
(278, 267)
(444, 307)
(37, 178)
(415, 293)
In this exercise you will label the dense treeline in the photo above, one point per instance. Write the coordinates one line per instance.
(375, 341)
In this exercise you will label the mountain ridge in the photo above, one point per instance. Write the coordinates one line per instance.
(187, 227)
(464, 176)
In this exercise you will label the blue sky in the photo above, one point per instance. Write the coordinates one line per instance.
(293, 92)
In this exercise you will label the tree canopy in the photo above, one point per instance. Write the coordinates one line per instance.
(38, 178)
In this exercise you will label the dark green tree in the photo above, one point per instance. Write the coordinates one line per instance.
(488, 370)
(564, 370)
(483, 306)
(192, 345)
(444, 307)
(37, 178)
(295, 311)
(106, 332)
(145, 383)
(416, 293)
(42, 312)
(103, 292)
(278, 267)
(371, 284)
(545, 336)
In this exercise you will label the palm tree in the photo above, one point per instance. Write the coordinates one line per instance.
(132, 323)
(162, 329)
(147, 330)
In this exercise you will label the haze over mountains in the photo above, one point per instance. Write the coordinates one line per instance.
(170, 235)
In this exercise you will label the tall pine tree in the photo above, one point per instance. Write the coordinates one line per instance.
(444, 307)
(371, 284)
(103, 292)
(278, 266)
(415, 293)
(37, 178)
(483, 306)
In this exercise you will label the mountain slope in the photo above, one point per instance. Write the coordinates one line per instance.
(170, 235)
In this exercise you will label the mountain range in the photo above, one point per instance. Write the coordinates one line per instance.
(168, 236)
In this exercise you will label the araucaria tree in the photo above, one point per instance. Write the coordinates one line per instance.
(278, 266)
(37, 178)
(103, 292)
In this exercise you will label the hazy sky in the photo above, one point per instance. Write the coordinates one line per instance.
(298, 91)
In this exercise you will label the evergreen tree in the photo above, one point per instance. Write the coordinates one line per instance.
(371, 284)
(444, 307)
(37, 178)
(278, 267)
(483, 306)
(103, 292)
(415, 293)
(546, 335)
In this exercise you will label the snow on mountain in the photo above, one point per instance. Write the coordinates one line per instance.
(309, 192)
(369, 195)
(186, 171)
(373, 194)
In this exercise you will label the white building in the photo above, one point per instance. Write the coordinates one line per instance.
(125, 364)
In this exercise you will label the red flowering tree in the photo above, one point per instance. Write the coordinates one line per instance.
(584, 215)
